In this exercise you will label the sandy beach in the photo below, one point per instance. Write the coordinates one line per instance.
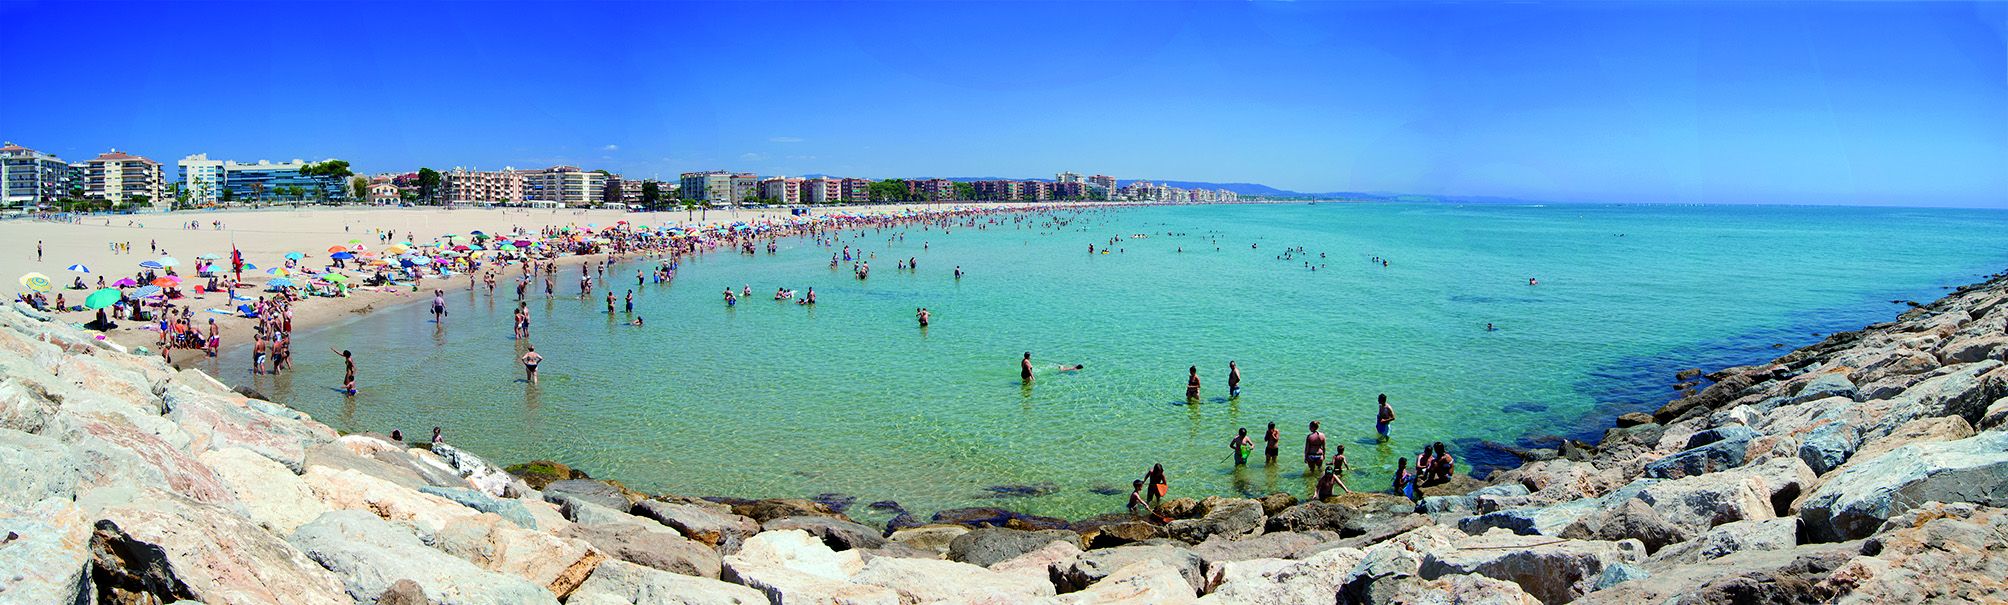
(264, 236)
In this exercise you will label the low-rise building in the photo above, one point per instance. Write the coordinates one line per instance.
(781, 190)
(713, 187)
(822, 190)
(564, 185)
(464, 186)
(857, 191)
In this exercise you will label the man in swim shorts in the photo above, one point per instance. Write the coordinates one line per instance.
(530, 360)
(1025, 368)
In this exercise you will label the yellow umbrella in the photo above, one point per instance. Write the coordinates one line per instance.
(396, 249)
(36, 281)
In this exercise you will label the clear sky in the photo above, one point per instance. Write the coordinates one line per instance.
(1736, 102)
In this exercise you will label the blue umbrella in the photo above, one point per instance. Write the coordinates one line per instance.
(147, 264)
(295, 256)
(281, 282)
(145, 292)
(80, 268)
(168, 261)
(249, 266)
(342, 255)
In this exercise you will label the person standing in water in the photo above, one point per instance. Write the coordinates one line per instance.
(1025, 368)
(1328, 481)
(530, 360)
(922, 314)
(1233, 380)
(1192, 384)
(439, 306)
(1314, 448)
(1241, 444)
(1271, 441)
(1384, 418)
(348, 371)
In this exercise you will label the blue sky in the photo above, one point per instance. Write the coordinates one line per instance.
(1622, 102)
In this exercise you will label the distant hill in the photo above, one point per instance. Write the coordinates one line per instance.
(1261, 190)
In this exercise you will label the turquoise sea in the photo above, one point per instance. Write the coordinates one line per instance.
(771, 399)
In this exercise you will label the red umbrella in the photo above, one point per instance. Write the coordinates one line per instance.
(166, 281)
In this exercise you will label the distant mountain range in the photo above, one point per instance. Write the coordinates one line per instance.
(1261, 190)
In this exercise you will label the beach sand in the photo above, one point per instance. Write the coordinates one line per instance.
(264, 236)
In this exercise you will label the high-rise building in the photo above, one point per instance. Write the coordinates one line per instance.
(1068, 177)
(565, 185)
(712, 187)
(745, 186)
(30, 178)
(781, 190)
(1038, 191)
(202, 178)
(119, 176)
(857, 190)
(463, 186)
(1074, 190)
(822, 190)
(1106, 183)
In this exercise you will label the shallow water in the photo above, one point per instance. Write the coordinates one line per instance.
(770, 399)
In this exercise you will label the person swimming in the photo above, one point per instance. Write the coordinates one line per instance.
(1069, 368)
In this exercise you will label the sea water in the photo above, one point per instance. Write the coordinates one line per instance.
(850, 396)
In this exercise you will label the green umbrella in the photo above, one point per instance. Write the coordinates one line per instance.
(102, 298)
(336, 277)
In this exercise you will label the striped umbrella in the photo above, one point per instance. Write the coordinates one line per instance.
(36, 281)
(80, 268)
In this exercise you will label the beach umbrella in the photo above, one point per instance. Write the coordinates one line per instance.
(337, 249)
(102, 298)
(168, 261)
(146, 292)
(397, 249)
(358, 248)
(210, 256)
(166, 280)
(294, 256)
(477, 232)
(355, 241)
(461, 248)
(335, 277)
(36, 281)
(418, 260)
(80, 268)
(125, 282)
(147, 264)
(278, 271)
(248, 266)
(280, 282)
(342, 256)
(379, 262)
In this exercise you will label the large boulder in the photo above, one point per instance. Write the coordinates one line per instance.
(838, 533)
(215, 421)
(1995, 417)
(1631, 519)
(989, 545)
(1462, 590)
(1957, 390)
(1276, 545)
(1091, 566)
(1116, 529)
(351, 489)
(1854, 502)
(378, 457)
(1727, 389)
(24, 406)
(1708, 451)
(1822, 387)
(763, 511)
(1974, 348)
(34, 468)
(479, 473)
(624, 583)
(222, 556)
(1952, 553)
(791, 566)
(509, 508)
(1147, 582)
(369, 554)
(1230, 518)
(494, 544)
(930, 538)
(589, 490)
(1729, 538)
(1312, 580)
(48, 559)
(936, 581)
(715, 527)
(275, 497)
(114, 452)
(655, 547)
(1552, 571)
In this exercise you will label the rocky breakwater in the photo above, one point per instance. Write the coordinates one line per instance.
(1871, 467)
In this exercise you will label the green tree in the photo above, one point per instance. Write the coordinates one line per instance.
(889, 190)
(325, 174)
(428, 185)
(360, 185)
(651, 195)
(965, 191)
